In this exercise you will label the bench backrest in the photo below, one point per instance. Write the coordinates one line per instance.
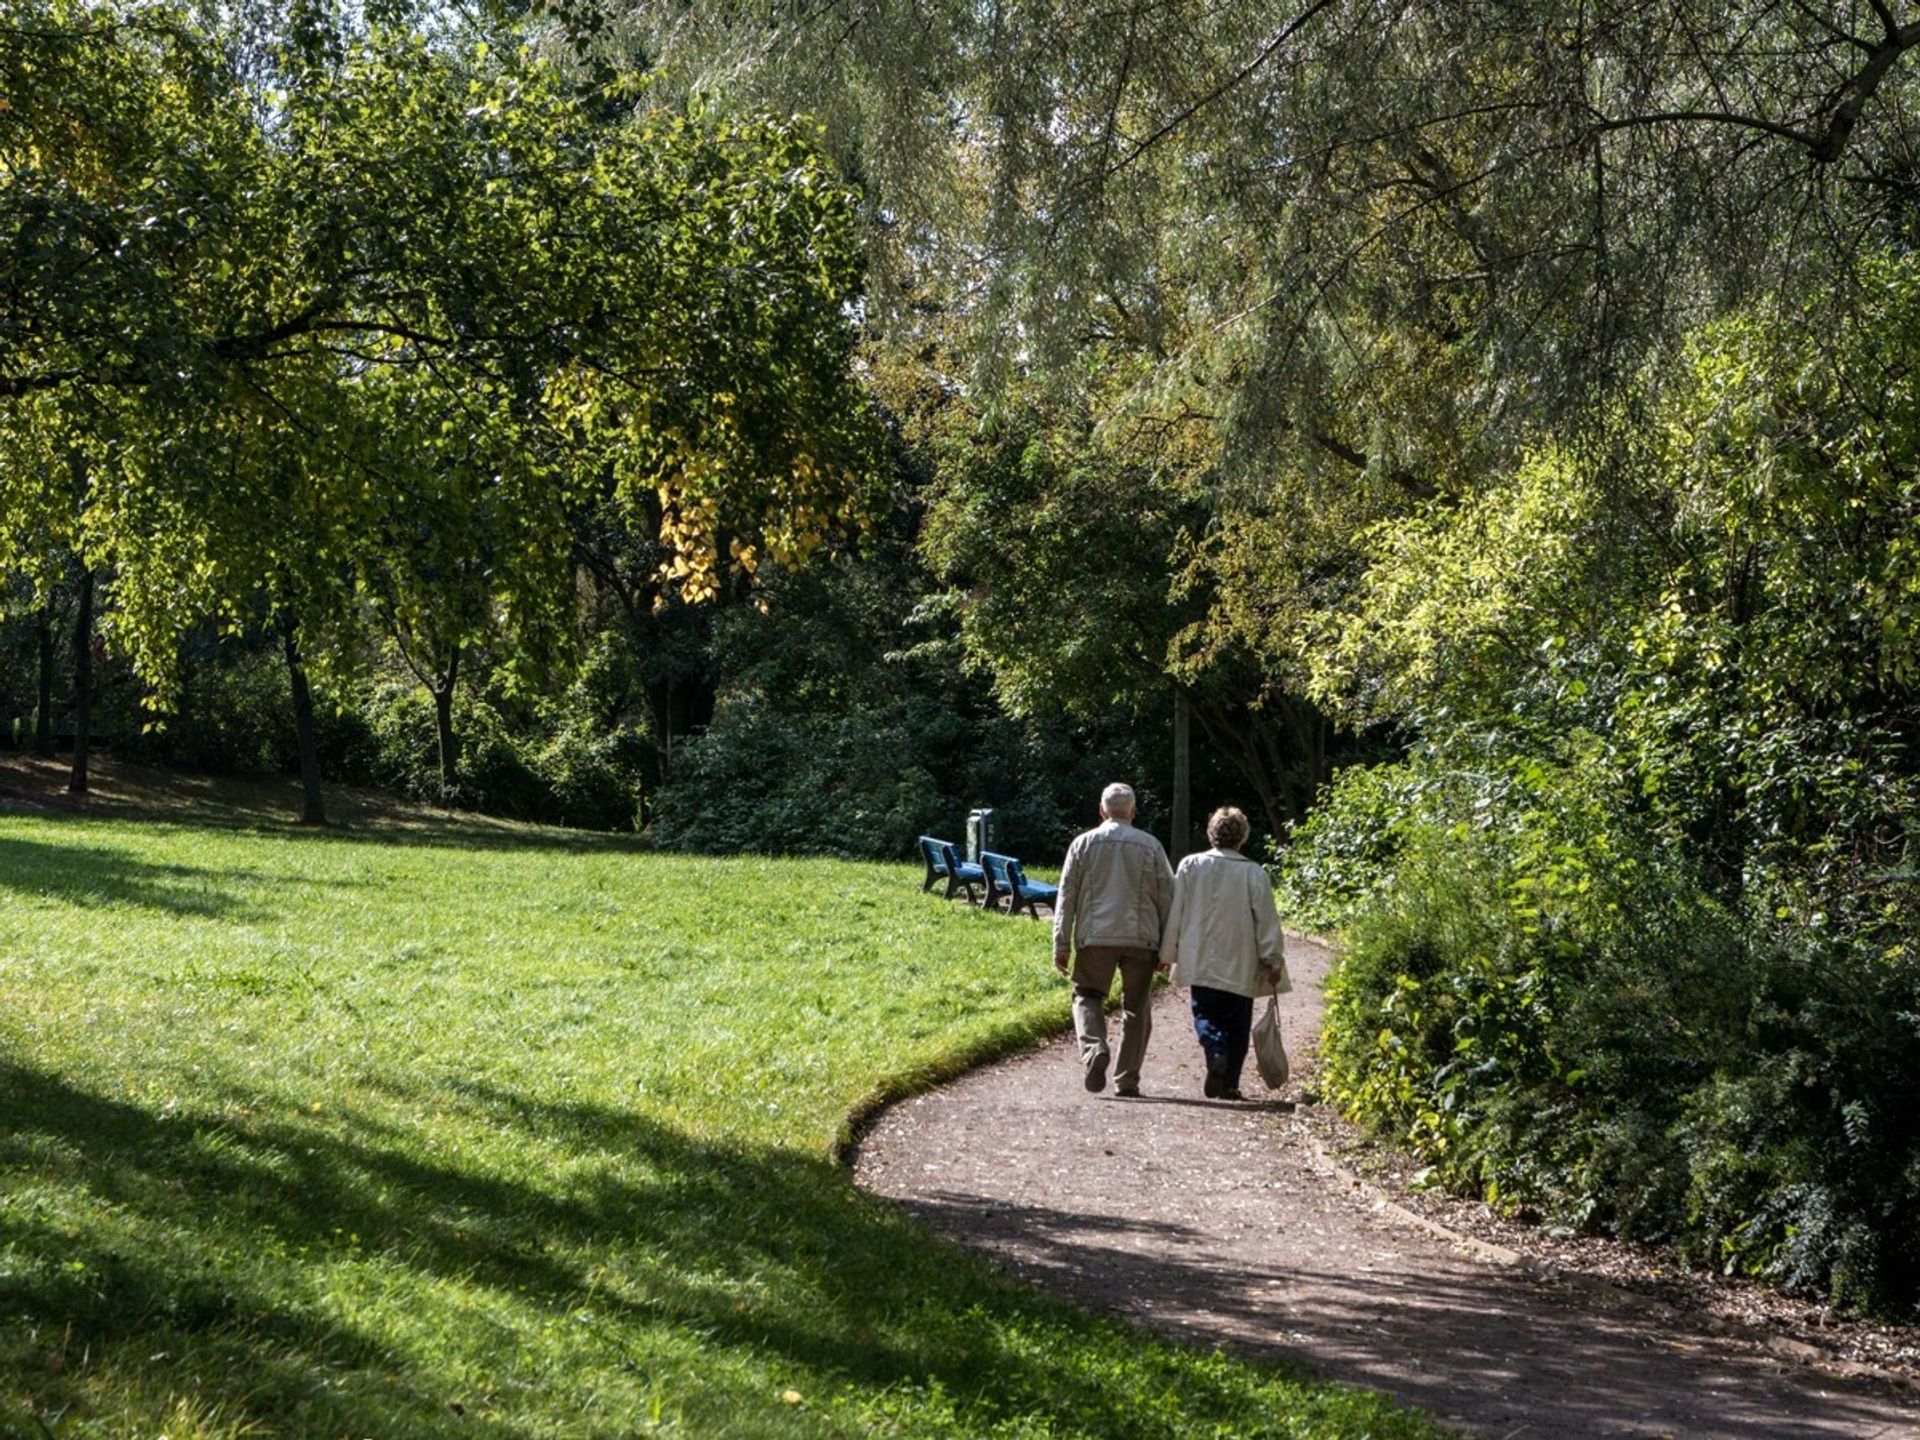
(952, 852)
(1017, 874)
(935, 853)
(999, 868)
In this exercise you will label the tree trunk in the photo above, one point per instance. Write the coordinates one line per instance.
(43, 711)
(1182, 780)
(312, 811)
(82, 683)
(443, 720)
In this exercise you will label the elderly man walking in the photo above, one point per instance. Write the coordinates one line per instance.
(1115, 890)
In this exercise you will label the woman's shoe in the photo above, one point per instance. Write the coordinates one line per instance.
(1216, 1080)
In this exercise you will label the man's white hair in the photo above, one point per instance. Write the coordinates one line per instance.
(1117, 799)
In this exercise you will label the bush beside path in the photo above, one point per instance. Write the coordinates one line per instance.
(1214, 1223)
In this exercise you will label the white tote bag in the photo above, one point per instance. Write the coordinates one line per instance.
(1268, 1050)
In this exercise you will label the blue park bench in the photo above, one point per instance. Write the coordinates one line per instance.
(1006, 877)
(944, 862)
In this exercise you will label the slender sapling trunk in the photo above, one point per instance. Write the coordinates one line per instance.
(312, 809)
(443, 720)
(43, 710)
(82, 683)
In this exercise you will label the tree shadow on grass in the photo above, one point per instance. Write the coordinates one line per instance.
(97, 876)
(217, 1228)
(271, 805)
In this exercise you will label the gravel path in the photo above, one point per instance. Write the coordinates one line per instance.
(1216, 1223)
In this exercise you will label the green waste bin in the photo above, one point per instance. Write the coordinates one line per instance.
(983, 834)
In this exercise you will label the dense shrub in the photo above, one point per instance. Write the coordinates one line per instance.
(1343, 853)
(1541, 1000)
(1632, 932)
(1805, 1151)
(233, 716)
(848, 720)
(867, 781)
(760, 780)
(554, 763)
(542, 766)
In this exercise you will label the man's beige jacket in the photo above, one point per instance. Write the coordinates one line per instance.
(1115, 889)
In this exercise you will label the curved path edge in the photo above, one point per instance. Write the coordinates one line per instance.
(1230, 1226)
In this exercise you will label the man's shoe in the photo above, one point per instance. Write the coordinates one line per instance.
(1215, 1082)
(1097, 1074)
(1127, 1090)
(1231, 1095)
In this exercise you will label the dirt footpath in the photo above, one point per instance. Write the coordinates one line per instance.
(1214, 1222)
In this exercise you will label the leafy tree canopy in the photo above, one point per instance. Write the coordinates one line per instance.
(299, 303)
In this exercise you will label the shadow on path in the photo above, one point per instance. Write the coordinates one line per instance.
(1205, 1221)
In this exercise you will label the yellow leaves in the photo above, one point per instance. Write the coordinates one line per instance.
(689, 526)
(795, 513)
(576, 397)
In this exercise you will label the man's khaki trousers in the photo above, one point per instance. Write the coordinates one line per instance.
(1093, 969)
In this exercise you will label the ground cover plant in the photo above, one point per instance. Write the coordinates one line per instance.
(417, 1129)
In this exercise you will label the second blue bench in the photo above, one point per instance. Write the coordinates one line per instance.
(1006, 877)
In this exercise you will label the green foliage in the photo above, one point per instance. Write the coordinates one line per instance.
(547, 763)
(769, 781)
(1066, 529)
(1632, 933)
(1805, 1158)
(234, 716)
(1060, 549)
(1546, 1006)
(1457, 603)
(1343, 854)
(432, 1128)
(322, 319)
(512, 764)
(1529, 993)
(846, 722)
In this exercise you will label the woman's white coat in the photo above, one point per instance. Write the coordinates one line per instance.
(1223, 925)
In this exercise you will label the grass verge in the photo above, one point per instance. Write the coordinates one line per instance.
(447, 1132)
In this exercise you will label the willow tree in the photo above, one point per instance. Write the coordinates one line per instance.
(1372, 252)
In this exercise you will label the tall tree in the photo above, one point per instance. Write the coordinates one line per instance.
(241, 263)
(1384, 248)
(1058, 535)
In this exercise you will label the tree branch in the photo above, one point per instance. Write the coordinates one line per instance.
(1233, 81)
(1605, 125)
(1842, 109)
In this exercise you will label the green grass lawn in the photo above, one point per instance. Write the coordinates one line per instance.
(461, 1130)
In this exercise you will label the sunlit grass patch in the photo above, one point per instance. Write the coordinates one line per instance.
(377, 1135)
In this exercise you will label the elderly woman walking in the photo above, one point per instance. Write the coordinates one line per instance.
(1223, 938)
